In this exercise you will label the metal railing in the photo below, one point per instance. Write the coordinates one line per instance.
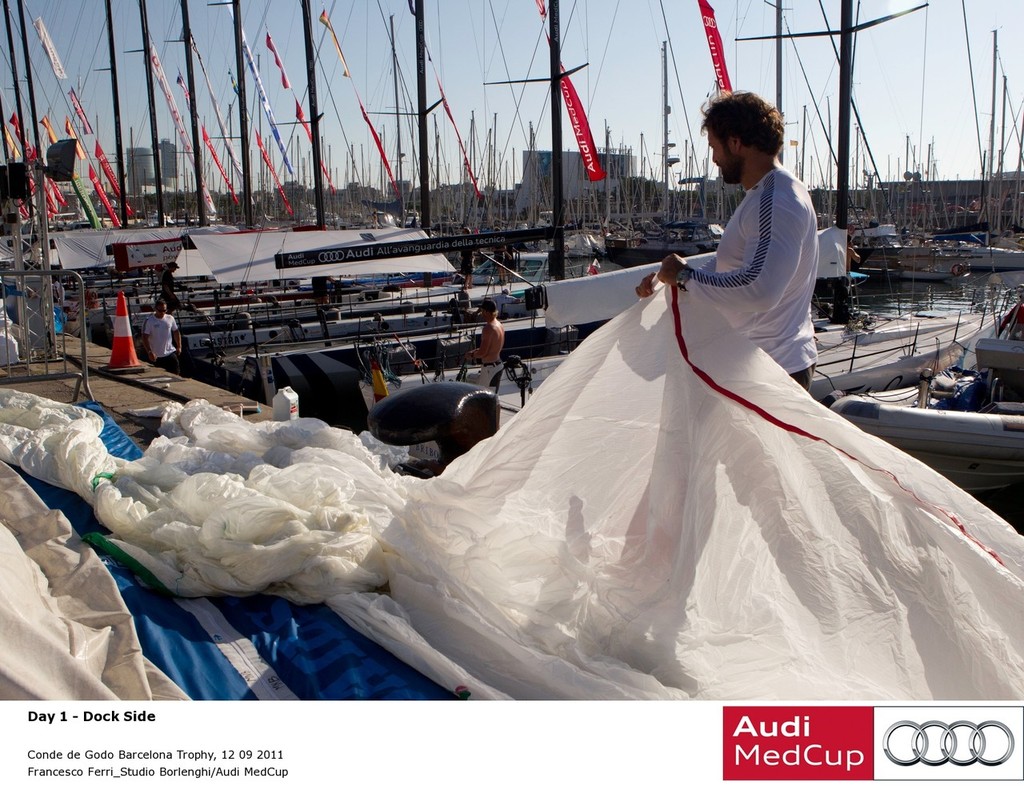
(34, 340)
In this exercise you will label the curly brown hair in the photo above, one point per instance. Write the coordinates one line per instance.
(746, 116)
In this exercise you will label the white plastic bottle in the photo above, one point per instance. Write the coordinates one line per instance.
(286, 404)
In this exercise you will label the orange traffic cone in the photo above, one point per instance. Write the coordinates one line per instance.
(122, 355)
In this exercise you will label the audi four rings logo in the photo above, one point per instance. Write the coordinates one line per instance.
(961, 743)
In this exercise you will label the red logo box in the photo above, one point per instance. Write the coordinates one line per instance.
(797, 743)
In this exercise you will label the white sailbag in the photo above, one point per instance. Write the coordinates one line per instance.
(670, 516)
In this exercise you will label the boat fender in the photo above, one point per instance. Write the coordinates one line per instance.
(831, 398)
(957, 270)
(456, 415)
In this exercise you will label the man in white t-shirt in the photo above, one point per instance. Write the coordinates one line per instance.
(762, 276)
(161, 338)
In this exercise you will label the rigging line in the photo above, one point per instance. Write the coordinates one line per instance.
(974, 95)
(679, 86)
(401, 118)
(853, 106)
(607, 44)
(45, 86)
(518, 100)
(924, 70)
(349, 149)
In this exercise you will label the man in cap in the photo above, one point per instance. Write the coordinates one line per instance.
(492, 339)
(167, 288)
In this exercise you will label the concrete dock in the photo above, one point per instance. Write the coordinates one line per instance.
(122, 393)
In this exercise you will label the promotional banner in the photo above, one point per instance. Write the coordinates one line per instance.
(220, 167)
(707, 14)
(273, 172)
(224, 132)
(578, 119)
(111, 213)
(86, 126)
(49, 48)
(179, 125)
(146, 253)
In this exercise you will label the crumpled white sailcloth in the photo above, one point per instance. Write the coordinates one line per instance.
(640, 530)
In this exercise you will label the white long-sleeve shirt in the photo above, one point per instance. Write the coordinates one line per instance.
(762, 276)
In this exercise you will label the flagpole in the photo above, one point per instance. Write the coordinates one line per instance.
(193, 113)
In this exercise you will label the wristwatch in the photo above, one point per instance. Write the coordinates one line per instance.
(683, 276)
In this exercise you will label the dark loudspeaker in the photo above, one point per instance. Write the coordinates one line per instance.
(14, 181)
(535, 298)
(60, 160)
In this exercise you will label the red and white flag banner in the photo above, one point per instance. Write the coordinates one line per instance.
(273, 172)
(578, 119)
(217, 163)
(707, 14)
(277, 59)
(103, 198)
(581, 128)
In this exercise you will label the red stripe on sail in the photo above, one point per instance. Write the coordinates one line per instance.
(708, 380)
(707, 14)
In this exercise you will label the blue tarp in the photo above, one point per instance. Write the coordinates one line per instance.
(314, 652)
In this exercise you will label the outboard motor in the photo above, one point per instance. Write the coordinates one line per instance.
(454, 415)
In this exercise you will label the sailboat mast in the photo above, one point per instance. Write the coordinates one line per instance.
(193, 115)
(556, 259)
(153, 133)
(845, 102)
(314, 115)
(398, 123)
(118, 142)
(421, 101)
(665, 109)
(243, 115)
(778, 65)
(31, 88)
(988, 188)
(14, 77)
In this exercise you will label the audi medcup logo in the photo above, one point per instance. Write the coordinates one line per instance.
(797, 743)
(949, 743)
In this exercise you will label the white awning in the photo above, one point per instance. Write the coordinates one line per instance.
(82, 248)
(249, 256)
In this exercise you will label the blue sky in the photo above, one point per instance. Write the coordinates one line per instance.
(912, 77)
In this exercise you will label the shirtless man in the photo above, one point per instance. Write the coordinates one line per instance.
(492, 339)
